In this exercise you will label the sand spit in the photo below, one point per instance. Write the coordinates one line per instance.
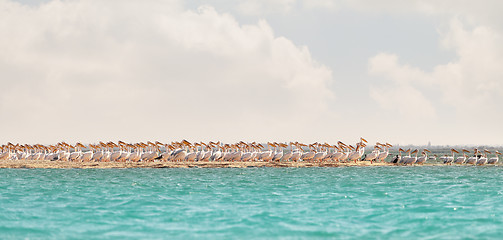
(66, 164)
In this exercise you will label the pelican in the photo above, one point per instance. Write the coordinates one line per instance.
(108, 152)
(358, 152)
(207, 153)
(411, 160)
(424, 156)
(287, 155)
(404, 159)
(86, 156)
(115, 155)
(217, 155)
(64, 155)
(494, 159)
(398, 158)
(483, 159)
(266, 155)
(341, 155)
(178, 155)
(126, 152)
(136, 155)
(374, 154)
(319, 156)
(278, 154)
(449, 159)
(191, 156)
(308, 155)
(384, 154)
(297, 153)
(461, 159)
(473, 159)
(5, 155)
(77, 152)
(97, 154)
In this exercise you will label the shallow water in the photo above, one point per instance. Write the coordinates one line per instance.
(351, 202)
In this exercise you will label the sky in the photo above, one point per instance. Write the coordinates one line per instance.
(404, 72)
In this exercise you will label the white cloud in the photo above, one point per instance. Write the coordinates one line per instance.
(471, 84)
(320, 4)
(283, 7)
(400, 96)
(264, 7)
(95, 70)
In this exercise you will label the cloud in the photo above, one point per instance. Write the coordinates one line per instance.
(471, 84)
(264, 7)
(283, 7)
(400, 96)
(320, 4)
(95, 70)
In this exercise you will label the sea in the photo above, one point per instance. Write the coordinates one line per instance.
(417, 202)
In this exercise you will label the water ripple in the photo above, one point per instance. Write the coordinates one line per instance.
(353, 202)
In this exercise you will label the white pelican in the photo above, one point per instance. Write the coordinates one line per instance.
(473, 159)
(331, 156)
(217, 155)
(404, 159)
(297, 153)
(308, 156)
(178, 155)
(358, 152)
(449, 159)
(256, 152)
(411, 160)
(494, 159)
(77, 152)
(268, 155)
(319, 156)
(238, 153)
(107, 154)
(86, 156)
(136, 155)
(338, 156)
(424, 156)
(191, 153)
(347, 152)
(287, 155)
(98, 153)
(126, 152)
(461, 159)
(483, 159)
(115, 155)
(279, 155)
(374, 154)
(384, 154)
(207, 154)
(5, 155)
(200, 153)
(227, 154)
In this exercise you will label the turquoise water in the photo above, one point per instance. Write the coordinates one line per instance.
(353, 202)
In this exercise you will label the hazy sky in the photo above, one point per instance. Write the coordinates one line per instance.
(405, 72)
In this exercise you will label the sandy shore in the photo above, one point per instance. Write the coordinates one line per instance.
(64, 164)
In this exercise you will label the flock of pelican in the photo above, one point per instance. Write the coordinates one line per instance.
(185, 151)
(478, 157)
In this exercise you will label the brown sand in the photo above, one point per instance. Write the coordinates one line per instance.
(65, 164)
